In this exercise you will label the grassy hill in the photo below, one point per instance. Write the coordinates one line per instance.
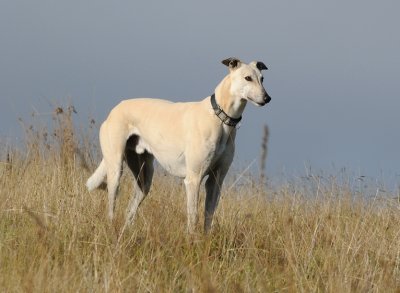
(55, 237)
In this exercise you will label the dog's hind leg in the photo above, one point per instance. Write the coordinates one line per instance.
(114, 170)
(142, 168)
(112, 145)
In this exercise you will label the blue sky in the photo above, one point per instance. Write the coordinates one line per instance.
(334, 71)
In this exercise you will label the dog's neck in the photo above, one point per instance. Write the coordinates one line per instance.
(231, 104)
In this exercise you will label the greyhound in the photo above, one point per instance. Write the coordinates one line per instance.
(190, 140)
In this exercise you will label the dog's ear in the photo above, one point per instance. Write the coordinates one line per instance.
(260, 65)
(232, 63)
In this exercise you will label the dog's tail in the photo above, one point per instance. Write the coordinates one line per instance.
(97, 177)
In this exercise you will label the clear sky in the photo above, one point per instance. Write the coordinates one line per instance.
(334, 71)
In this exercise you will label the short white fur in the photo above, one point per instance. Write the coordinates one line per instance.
(187, 139)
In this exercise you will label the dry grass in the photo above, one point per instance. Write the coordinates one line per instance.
(55, 236)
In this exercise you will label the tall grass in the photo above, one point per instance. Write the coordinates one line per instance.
(54, 235)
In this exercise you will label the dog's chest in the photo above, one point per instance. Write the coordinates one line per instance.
(219, 144)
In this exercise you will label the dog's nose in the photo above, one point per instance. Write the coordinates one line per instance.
(267, 98)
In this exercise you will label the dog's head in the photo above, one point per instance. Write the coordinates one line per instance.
(247, 81)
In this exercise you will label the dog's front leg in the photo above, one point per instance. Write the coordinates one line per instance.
(214, 182)
(192, 183)
(213, 190)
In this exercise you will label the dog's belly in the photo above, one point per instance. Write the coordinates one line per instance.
(174, 164)
(170, 158)
(170, 151)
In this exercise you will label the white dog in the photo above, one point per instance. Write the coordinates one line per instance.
(190, 140)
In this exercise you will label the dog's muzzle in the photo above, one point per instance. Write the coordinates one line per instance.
(267, 98)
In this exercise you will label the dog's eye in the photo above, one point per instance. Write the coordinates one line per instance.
(248, 78)
(262, 79)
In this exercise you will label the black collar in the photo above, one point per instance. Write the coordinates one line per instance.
(225, 118)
